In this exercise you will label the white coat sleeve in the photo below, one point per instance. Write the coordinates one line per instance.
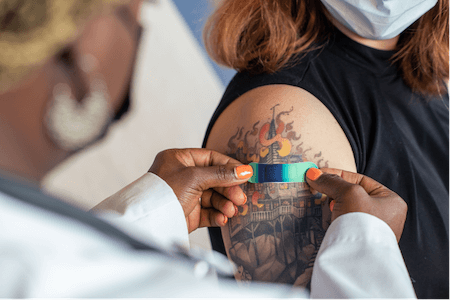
(46, 255)
(147, 208)
(360, 258)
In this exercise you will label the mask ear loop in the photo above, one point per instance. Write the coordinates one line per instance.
(72, 125)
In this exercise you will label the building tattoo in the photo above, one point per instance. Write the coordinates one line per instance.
(277, 233)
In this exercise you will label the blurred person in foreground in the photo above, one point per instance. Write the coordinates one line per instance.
(65, 71)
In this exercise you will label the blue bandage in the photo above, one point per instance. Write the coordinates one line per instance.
(280, 172)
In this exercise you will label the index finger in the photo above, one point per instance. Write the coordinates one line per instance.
(200, 157)
(371, 186)
(234, 193)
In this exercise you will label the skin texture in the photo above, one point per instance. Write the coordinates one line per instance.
(113, 40)
(277, 233)
(205, 175)
(204, 181)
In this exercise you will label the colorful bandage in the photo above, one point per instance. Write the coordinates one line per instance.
(280, 172)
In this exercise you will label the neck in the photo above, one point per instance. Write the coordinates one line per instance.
(389, 44)
(13, 159)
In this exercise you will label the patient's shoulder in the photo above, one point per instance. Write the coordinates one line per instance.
(288, 115)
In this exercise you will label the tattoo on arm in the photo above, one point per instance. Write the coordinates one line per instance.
(277, 233)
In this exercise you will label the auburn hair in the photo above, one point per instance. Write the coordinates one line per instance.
(263, 36)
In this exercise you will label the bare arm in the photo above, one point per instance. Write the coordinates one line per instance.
(277, 233)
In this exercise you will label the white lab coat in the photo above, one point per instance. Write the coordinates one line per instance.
(43, 254)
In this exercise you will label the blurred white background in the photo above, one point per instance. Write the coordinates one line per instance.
(176, 90)
(196, 12)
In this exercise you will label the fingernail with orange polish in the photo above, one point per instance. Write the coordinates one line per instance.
(313, 173)
(225, 219)
(236, 211)
(244, 171)
(245, 199)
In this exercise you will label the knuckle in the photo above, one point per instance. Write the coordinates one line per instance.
(215, 200)
(213, 220)
(222, 204)
(328, 179)
(324, 178)
(222, 173)
(357, 189)
(401, 204)
(178, 153)
(225, 208)
(332, 176)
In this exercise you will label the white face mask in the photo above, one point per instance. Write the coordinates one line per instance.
(378, 19)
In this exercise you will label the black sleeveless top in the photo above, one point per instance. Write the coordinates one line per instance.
(398, 138)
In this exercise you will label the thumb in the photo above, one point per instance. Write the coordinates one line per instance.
(330, 184)
(223, 175)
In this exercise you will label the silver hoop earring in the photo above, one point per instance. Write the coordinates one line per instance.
(72, 125)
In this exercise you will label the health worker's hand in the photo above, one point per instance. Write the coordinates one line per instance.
(205, 182)
(352, 192)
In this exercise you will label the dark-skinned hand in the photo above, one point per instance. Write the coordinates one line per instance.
(352, 192)
(205, 182)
